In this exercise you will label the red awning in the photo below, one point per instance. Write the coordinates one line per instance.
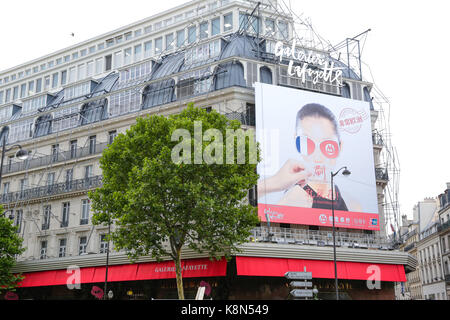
(194, 268)
(276, 267)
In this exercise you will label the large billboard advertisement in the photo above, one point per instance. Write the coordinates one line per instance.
(305, 137)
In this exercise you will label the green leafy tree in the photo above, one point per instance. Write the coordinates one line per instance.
(10, 246)
(159, 205)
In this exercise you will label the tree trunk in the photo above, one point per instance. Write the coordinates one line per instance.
(180, 288)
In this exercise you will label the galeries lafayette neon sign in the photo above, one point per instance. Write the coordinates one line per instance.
(313, 65)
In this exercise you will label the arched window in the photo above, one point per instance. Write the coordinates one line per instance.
(231, 74)
(346, 91)
(43, 126)
(265, 75)
(159, 93)
(93, 111)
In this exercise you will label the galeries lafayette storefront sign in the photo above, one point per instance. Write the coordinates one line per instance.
(308, 65)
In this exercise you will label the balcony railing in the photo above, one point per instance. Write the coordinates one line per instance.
(55, 189)
(409, 247)
(319, 238)
(443, 226)
(381, 174)
(54, 158)
(247, 119)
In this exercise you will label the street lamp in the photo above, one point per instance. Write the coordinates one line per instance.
(21, 154)
(346, 172)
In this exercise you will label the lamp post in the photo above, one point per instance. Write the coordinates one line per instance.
(21, 154)
(346, 172)
(107, 259)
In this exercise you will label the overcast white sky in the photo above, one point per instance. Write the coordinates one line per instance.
(406, 50)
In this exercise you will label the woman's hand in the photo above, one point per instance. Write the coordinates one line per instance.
(297, 197)
(292, 173)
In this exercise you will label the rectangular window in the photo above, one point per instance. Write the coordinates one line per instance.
(92, 144)
(180, 38)
(47, 83)
(43, 251)
(215, 26)
(192, 34)
(109, 43)
(31, 87)
(204, 30)
(90, 69)
(62, 247)
(87, 172)
(54, 80)
(15, 93)
(228, 22)
(127, 56)
(85, 209)
(112, 136)
(7, 95)
(65, 214)
(158, 45)
(18, 222)
(91, 49)
(38, 85)
(63, 77)
(270, 27)
(284, 31)
(46, 217)
(83, 245)
(147, 49)
(103, 243)
(169, 42)
(137, 52)
(73, 149)
(50, 179)
(1, 97)
(81, 71)
(117, 59)
(72, 75)
(108, 62)
(5, 189)
(23, 91)
(98, 66)
(69, 178)
(55, 152)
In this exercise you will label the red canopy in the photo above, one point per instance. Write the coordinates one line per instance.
(276, 267)
(195, 268)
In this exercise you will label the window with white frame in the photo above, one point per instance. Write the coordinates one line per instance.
(85, 209)
(202, 52)
(46, 217)
(77, 90)
(169, 41)
(124, 102)
(180, 38)
(65, 214)
(43, 250)
(83, 245)
(62, 247)
(148, 49)
(158, 45)
(215, 26)
(126, 56)
(103, 244)
(21, 131)
(204, 32)
(18, 222)
(6, 113)
(136, 72)
(196, 82)
(65, 119)
(32, 105)
(117, 59)
(137, 52)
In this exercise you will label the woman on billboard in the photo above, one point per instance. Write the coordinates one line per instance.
(306, 180)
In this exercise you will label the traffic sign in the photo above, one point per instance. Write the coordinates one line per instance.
(300, 284)
(298, 275)
(302, 293)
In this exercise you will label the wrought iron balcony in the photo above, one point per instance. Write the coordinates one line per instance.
(52, 190)
(409, 247)
(381, 174)
(245, 118)
(62, 156)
